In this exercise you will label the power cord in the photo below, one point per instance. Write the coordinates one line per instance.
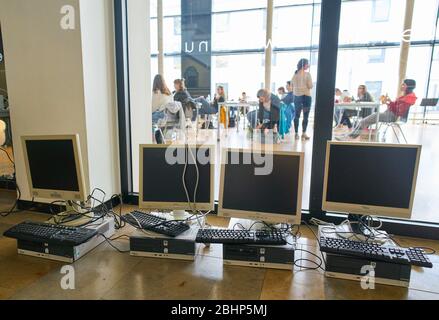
(110, 242)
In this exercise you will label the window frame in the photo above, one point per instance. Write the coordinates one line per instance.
(330, 18)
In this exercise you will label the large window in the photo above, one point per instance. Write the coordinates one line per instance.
(370, 36)
(238, 43)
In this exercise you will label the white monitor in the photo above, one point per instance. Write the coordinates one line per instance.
(371, 178)
(163, 170)
(54, 167)
(262, 186)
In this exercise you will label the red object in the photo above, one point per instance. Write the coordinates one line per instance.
(401, 106)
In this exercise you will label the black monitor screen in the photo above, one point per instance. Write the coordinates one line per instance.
(274, 193)
(163, 174)
(371, 175)
(52, 165)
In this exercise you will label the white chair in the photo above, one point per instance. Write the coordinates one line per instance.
(397, 127)
(174, 118)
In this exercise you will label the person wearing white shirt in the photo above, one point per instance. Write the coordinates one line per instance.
(161, 97)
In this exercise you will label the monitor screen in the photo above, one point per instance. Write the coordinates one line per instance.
(371, 175)
(162, 177)
(268, 196)
(52, 165)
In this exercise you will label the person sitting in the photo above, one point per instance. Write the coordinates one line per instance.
(268, 112)
(213, 108)
(395, 109)
(364, 96)
(220, 97)
(281, 92)
(243, 98)
(182, 95)
(288, 99)
(347, 114)
(161, 96)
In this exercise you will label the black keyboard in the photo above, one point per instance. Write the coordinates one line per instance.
(367, 250)
(263, 237)
(50, 233)
(155, 224)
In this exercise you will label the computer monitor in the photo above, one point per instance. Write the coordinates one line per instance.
(54, 167)
(262, 186)
(371, 178)
(162, 168)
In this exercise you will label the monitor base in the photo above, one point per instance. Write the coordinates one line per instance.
(179, 214)
(355, 230)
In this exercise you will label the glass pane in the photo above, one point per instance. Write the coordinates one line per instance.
(371, 21)
(239, 73)
(369, 71)
(238, 30)
(170, 8)
(303, 18)
(424, 20)
(230, 5)
(237, 59)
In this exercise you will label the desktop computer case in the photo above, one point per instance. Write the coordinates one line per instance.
(259, 256)
(66, 253)
(156, 245)
(349, 268)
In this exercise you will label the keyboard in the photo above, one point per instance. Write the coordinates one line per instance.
(367, 250)
(263, 237)
(156, 224)
(50, 233)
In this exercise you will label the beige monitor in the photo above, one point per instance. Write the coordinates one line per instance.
(54, 167)
(161, 177)
(262, 186)
(371, 178)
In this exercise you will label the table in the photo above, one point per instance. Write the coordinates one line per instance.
(5, 116)
(233, 104)
(357, 106)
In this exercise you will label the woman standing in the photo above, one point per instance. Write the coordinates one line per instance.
(302, 85)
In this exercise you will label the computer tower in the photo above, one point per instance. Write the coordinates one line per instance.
(160, 246)
(357, 269)
(259, 256)
(67, 253)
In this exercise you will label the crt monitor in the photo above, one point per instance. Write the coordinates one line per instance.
(371, 178)
(54, 167)
(262, 186)
(162, 168)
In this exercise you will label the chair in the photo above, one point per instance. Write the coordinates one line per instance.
(174, 118)
(397, 126)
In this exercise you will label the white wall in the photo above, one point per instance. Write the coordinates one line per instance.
(61, 83)
(98, 59)
(140, 79)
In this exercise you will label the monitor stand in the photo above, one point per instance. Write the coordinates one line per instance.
(179, 214)
(356, 231)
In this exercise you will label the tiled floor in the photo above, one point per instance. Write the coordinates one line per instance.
(106, 274)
